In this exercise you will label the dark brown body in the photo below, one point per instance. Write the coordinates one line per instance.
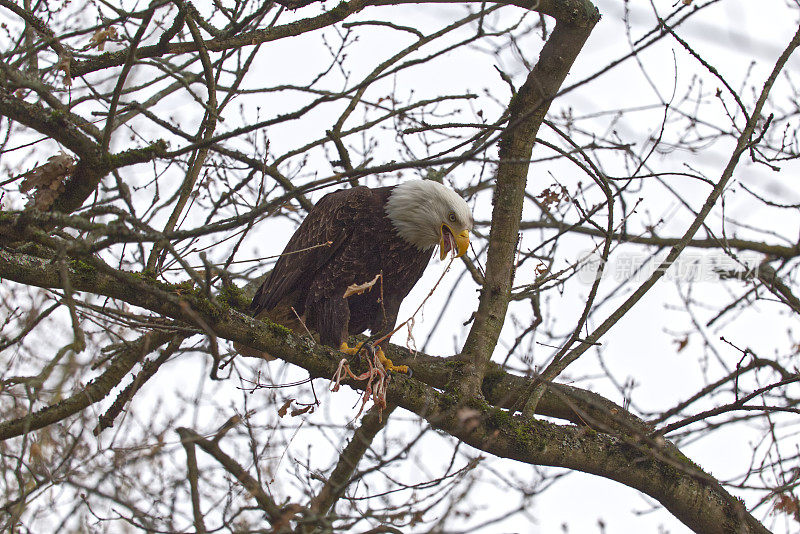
(363, 243)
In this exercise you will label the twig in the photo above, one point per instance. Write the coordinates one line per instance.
(265, 502)
(149, 369)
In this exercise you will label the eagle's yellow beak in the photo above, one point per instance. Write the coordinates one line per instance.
(450, 241)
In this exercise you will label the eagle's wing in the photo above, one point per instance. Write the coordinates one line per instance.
(324, 231)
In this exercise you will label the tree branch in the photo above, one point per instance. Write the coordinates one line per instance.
(373, 422)
(656, 469)
(95, 391)
(265, 502)
(526, 113)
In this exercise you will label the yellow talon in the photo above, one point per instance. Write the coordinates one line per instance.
(348, 350)
(386, 362)
(388, 365)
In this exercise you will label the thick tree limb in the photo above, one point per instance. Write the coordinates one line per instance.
(526, 113)
(627, 456)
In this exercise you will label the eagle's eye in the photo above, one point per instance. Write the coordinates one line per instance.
(452, 217)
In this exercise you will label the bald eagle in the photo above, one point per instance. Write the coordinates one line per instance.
(349, 237)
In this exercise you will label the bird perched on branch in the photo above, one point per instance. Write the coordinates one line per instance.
(356, 256)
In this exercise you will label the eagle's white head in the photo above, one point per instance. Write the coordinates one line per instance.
(426, 213)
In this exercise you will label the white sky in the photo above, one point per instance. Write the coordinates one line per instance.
(731, 35)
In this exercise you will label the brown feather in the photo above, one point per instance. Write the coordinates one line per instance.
(312, 276)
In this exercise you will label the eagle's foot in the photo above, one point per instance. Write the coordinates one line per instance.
(389, 366)
(349, 350)
(379, 357)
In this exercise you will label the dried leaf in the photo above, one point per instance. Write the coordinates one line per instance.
(47, 180)
(682, 343)
(552, 196)
(416, 518)
(357, 289)
(788, 504)
(285, 408)
(100, 37)
(301, 411)
(35, 452)
(42, 176)
(288, 206)
(158, 446)
(64, 61)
